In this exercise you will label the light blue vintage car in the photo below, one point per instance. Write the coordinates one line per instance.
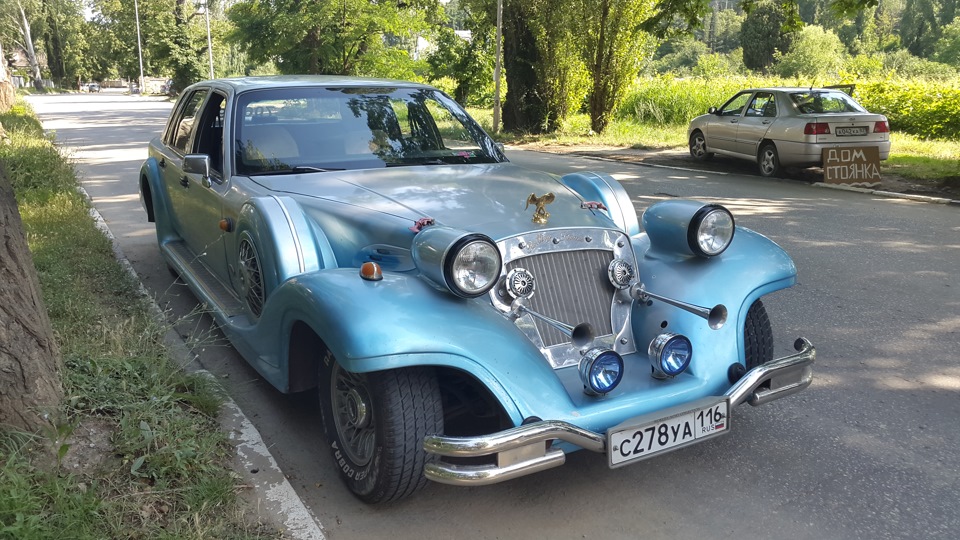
(465, 320)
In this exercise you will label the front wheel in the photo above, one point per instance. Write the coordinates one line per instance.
(375, 423)
(698, 147)
(769, 160)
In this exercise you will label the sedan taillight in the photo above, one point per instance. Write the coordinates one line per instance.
(881, 127)
(816, 128)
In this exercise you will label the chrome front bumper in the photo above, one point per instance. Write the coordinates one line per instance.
(527, 449)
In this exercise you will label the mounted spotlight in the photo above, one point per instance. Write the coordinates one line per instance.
(601, 371)
(670, 355)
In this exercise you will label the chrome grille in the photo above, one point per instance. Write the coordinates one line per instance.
(572, 287)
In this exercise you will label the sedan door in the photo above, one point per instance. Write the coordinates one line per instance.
(722, 131)
(757, 118)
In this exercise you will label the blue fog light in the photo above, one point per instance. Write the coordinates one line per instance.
(601, 371)
(670, 355)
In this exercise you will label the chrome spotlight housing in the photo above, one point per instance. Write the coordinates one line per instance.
(670, 355)
(601, 370)
(520, 283)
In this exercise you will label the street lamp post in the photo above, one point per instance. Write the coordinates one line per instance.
(206, 13)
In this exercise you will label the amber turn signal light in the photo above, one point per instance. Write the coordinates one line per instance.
(370, 271)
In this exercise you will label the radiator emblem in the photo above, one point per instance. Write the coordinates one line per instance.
(540, 215)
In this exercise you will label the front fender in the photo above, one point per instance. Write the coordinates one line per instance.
(751, 267)
(605, 189)
(402, 321)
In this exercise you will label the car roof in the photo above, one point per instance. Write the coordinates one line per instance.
(793, 89)
(242, 84)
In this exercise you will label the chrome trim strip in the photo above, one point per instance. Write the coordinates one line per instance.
(523, 449)
(293, 231)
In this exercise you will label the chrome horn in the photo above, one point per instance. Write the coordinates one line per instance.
(580, 335)
(716, 316)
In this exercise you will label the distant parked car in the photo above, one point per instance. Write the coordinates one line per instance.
(168, 88)
(93, 87)
(465, 320)
(777, 127)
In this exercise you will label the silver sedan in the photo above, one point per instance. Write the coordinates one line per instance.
(777, 127)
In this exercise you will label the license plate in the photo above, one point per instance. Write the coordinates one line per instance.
(645, 437)
(851, 131)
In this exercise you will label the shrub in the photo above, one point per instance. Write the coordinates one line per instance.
(928, 109)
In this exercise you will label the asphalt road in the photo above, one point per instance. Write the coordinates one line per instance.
(870, 451)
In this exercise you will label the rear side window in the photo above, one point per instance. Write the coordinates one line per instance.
(183, 128)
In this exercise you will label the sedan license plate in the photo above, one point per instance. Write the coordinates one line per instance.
(851, 131)
(645, 437)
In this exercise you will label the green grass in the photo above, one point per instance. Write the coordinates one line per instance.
(919, 159)
(166, 472)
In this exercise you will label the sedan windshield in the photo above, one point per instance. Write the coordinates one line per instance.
(824, 101)
(322, 129)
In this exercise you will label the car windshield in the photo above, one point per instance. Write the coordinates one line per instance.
(322, 129)
(824, 101)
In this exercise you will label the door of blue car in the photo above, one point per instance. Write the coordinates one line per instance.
(197, 200)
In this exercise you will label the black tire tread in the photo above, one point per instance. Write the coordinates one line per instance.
(757, 336)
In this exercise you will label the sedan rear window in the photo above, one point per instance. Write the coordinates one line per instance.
(821, 102)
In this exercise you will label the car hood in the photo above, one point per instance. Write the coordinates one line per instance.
(487, 198)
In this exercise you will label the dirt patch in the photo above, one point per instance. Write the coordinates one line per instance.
(90, 447)
(681, 159)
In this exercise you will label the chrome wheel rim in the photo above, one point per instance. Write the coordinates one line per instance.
(698, 146)
(768, 162)
(251, 277)
(353, 415)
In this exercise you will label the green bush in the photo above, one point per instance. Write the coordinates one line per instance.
(927, 109)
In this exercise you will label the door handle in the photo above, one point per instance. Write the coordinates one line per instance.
(184, 182)
(765, 122)
(163, 163)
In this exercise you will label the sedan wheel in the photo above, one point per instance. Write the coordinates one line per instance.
(698, 147)
(769, 160)
(376, 423)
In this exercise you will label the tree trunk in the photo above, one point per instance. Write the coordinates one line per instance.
(31, 52)
(524, 109)
(30, 386)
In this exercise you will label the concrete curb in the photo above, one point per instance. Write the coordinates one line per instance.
(890, 194)
(274, 499)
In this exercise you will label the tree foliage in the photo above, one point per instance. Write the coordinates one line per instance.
(346, 37)
(814, 51)
(764, 32)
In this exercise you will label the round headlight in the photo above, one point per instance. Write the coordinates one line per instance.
(670, 355)
(473, 266)
(601, 371)
(711, 230)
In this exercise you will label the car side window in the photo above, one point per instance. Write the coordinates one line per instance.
(188, 118)
(762, 105)
(209, 139)
(735, 106)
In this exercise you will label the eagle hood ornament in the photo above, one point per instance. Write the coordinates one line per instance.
(540, 215)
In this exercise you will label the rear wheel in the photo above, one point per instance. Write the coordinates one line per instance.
(757, 336)
(698, 147)
(375, 423)
(769, 160)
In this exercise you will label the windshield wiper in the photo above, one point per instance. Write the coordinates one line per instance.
(414, 163)
(299, 169)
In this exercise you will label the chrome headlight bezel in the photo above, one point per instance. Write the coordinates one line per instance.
(711, 231)
(455, 260)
